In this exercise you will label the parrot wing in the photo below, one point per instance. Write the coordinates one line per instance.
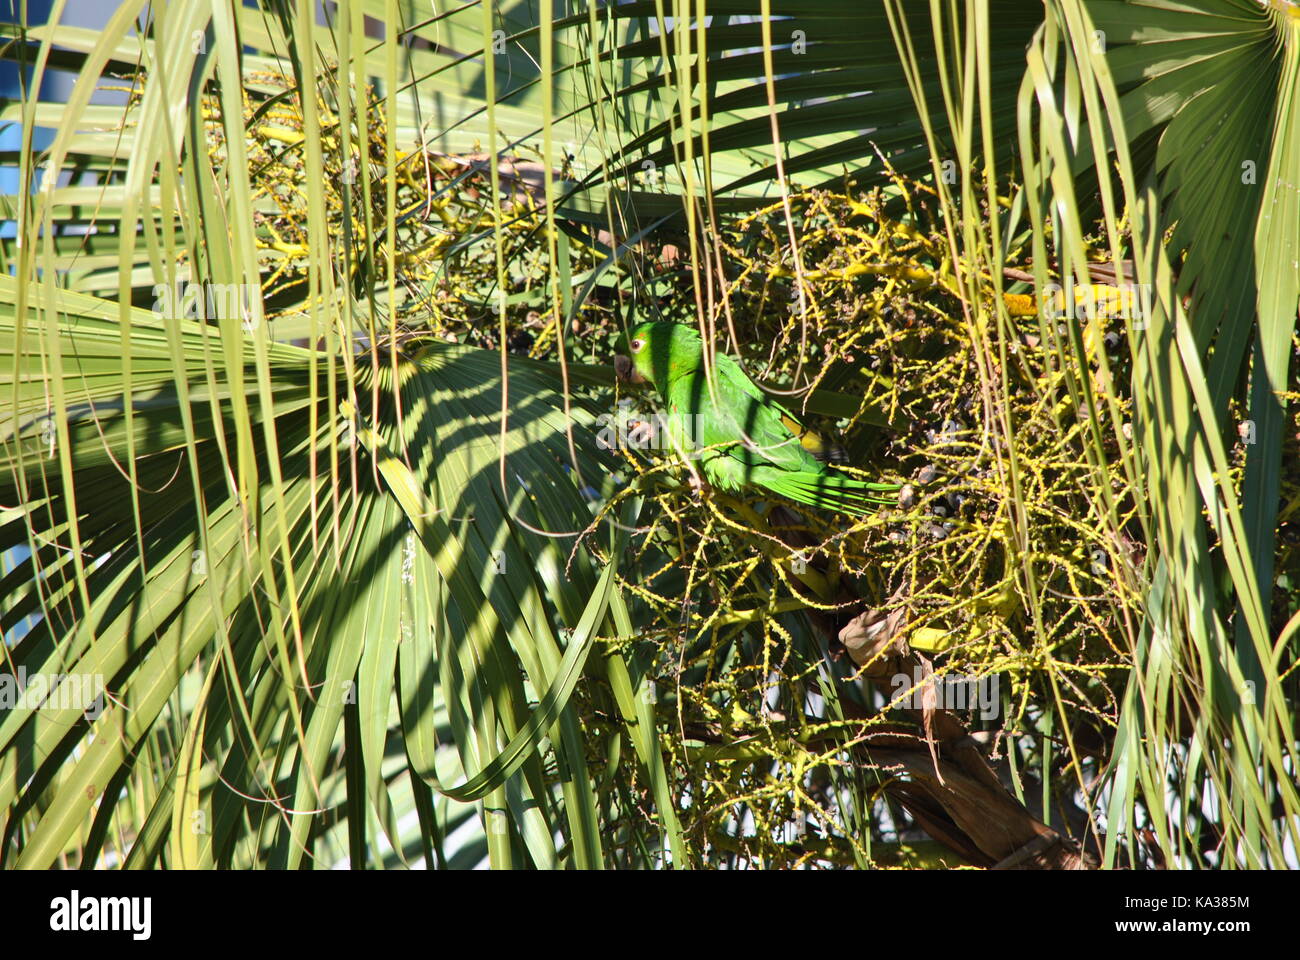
(809, 439)
(740, 415)
(756, 441)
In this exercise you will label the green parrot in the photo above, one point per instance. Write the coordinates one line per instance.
(743, 437)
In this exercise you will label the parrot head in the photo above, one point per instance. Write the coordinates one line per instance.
(657, 352)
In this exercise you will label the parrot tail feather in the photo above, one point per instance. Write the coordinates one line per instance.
(832, 491)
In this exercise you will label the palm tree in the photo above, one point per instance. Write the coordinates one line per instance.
(358, 593)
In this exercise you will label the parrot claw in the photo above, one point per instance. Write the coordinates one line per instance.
(700, 486)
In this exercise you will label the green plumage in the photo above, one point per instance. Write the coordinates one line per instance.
(742, 436)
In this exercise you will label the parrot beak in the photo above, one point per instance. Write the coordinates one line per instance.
(624, 370)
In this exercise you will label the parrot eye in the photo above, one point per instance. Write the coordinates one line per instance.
(637, 345)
